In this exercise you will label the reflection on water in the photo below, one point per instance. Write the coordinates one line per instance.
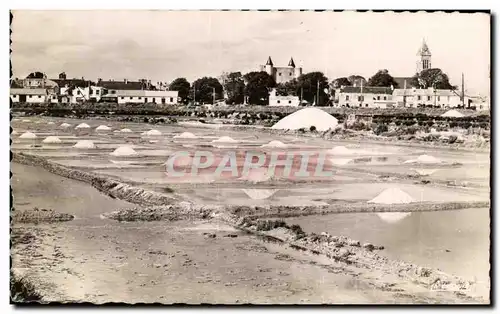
(393, 217)
(456, 242)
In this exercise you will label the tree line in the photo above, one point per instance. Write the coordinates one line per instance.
(253, 87)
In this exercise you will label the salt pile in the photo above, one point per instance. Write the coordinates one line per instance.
(257, 175)
(392, 196)
(340, 150)
(425, 172)
(124, 151)
(305, 118)
(65, 125)
(50, 123)
(259, 194)
(452, 114)
(26, 120)
(152, 133)
(186, 135)
(275, 144)
(85, 144)
(424, 159)
(28, 135)
(82, 126)
(225, 139)
(51, 140)
(103, 128)
(14, 132)
(340, 161)
(126, 130)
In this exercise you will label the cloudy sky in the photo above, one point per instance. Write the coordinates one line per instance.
(163, 45)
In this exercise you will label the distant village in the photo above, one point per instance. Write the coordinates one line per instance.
(284, 86)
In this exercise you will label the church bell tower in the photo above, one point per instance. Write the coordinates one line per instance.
(423, 58)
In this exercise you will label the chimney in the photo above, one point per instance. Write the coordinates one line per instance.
(99, 80)
(126, 81)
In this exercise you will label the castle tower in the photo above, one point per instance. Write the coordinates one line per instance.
(269, 66)
(423, 58)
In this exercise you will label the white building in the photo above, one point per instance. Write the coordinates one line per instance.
(143, 96)
(78, 94)
(28, 95)
(275, 100)
(365, 97)
(430, 98)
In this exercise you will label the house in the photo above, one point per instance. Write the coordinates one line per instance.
(276, 100)
(430, 98)
(76, 90)
(28, 95)
(365, 97)
(141, 97)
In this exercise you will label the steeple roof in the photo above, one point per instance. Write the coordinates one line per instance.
(424, 50)
(269, 61)
(291, 63)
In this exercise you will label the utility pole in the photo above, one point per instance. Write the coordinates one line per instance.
(463, 92)
(194, 94)
(301, 94)
(213, 95)
(317, 94)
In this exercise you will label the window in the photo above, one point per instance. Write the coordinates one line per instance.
(385, 97)
(123, 97)
(439, 98)
(140, 98)
(279, 74)
(366, 105)
(290, 73)
(428, 97)
(418, 97)
(278, 101)
(39, 96)
(289, 101)
(163, 100)
(154, 100)
(130, 98)
(113, 92)
(91, 92)
(171, 99)
(361, 98)
(97, 92)
(346, 97)
(378, 97)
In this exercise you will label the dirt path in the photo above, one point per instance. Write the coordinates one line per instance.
(96, 260)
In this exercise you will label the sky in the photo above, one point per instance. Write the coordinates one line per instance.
(164, 45)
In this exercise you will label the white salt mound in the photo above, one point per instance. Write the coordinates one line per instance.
(103, 128)
(340, 161)
(82, 126)
(275, 144)
(453, 114)
(28, 135)
(26, 120)
(393, 217)
(425, 172)
(84, 144)
(305, 118)
(392, 196)
(50, 123)
(152, 133)
(186, 135)
(126, 130)
(124, 151)
(340, 150)
(14, 132)
(65, 125)
(225, 139)
(259, 194)
(51, 140)
(424, 159)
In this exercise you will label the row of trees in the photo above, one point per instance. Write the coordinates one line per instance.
(312, 87)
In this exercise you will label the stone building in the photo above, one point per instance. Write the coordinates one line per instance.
(282, 74)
